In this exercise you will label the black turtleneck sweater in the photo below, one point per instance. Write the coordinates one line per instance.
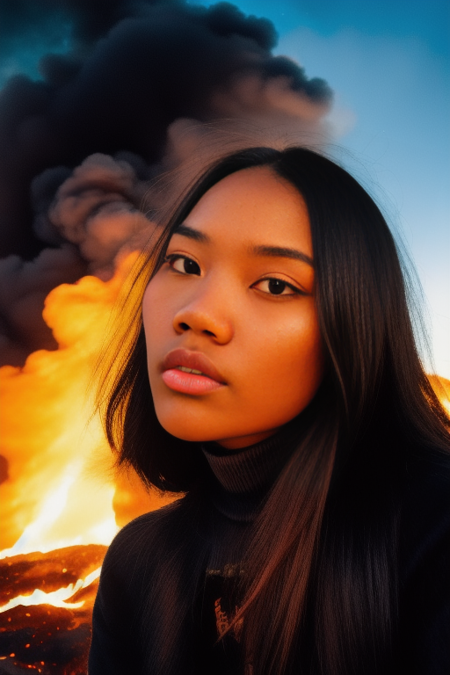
(238, 486)
(174, 572)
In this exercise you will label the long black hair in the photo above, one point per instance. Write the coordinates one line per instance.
(320, 572)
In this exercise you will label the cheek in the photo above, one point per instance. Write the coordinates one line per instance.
(155, 311)
(289, 368)
(307, 352)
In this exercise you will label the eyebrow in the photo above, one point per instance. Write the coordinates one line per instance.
(190, 233)
(263, 251)
(282, 252)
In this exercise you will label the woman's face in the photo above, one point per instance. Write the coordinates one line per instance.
(234, 302)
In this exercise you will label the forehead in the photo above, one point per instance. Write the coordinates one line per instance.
(255, 206)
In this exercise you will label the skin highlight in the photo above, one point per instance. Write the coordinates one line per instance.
(237, 287)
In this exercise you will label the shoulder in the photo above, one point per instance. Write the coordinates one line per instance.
(131, 574)
(136, 559)
(142, 540)
(176, 533)
(427, 484)
(425, 508)
(426, 468)
(424, 601)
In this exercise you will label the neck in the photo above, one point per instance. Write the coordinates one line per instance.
(246, 441)
(241, 480)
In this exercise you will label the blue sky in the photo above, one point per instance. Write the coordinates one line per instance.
(389, 66)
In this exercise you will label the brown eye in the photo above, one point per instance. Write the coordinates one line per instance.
(275, 286)
(182, 264)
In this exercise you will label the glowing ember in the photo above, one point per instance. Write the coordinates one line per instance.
(52, 639)
(56, 598)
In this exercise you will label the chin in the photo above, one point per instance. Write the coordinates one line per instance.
(186, 429)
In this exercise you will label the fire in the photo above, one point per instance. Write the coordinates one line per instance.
(56, 598)
(45, 439)
(441, 388)
(62, 504)
(60, 490)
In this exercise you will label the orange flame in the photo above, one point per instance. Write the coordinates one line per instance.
(56, 494)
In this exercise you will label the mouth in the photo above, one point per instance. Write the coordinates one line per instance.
(190, 373)
(190, 370)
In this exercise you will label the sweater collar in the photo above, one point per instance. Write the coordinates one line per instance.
(241, 479)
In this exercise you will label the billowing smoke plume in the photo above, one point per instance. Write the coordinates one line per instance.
(142, 87)
(96, 208)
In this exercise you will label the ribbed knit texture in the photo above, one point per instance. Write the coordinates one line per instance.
(241, 479)
(239, 484)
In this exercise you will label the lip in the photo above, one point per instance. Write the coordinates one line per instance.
(190, 383)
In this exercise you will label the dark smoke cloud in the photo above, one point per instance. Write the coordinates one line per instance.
(79, 144)
(96, 208)
(161, 62)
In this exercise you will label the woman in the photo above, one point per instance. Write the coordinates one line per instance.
(275, 380)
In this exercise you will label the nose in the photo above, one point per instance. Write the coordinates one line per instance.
(206, 314)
